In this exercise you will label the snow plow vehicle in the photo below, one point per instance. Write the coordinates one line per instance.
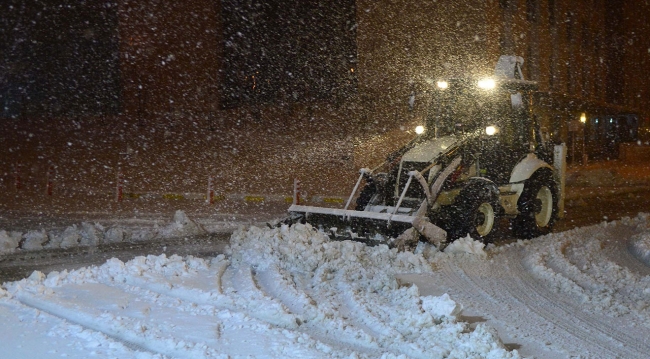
(479, 157)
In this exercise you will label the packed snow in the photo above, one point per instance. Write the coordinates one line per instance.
(284, 292)
(292, 292)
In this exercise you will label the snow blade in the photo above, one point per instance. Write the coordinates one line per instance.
(366, 226)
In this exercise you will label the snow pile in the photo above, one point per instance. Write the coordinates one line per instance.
(34, 240)
(9, 241)
(182, 225)
(365, 276)
(466, 245)
(116, 235)
(300, 248)
(278, 293)
(70, 237)
(93, 234)
(640, 246)
(442, 306)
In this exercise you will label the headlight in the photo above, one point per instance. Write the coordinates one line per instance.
(419, 130)
(442, 84)
(491, 130)
(486, 84)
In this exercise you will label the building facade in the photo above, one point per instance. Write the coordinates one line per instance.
(202, 59)
(586, 55)
(258, 93)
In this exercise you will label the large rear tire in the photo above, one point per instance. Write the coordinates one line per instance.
(538, 208)
(476, 212)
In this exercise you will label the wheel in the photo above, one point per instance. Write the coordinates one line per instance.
(537, 206)
(476, 212)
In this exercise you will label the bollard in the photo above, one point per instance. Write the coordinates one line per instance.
(50, 180)
(210, 196)
(119, 192)
(17, 181)
(296, 191)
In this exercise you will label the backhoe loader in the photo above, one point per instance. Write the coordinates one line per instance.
(478, 157)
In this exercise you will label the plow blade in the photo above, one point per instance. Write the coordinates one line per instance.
(367, 226)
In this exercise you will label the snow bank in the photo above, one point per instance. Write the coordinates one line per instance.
(117, 234)
(182, 225)
(92, 234)
(9, 241)
(282, 292)
(362, 281)
(640, 246)
(34, 240)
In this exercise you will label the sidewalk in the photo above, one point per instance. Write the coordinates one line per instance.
(606, 178)
(603, 178)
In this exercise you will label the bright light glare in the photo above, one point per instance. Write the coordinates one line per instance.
(486, 84)
(443, 84)
(490, 130)
(583, 118)
(419, 130)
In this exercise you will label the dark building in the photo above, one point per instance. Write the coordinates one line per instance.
(268, 91)
(59, 58)
(586, 55)
(286, 51)
(176, 59)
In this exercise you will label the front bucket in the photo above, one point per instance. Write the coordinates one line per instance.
(365, 226)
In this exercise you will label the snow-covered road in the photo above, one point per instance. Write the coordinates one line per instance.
(580, 293)
(291, 292)
(280, 293)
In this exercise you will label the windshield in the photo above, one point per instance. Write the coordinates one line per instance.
(462, 107)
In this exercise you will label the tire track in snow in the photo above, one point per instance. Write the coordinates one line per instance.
(204, 287)
(128, 330)
(31, 302)
(140, 318)
(518, 289)
(475, 294)
(362, 316)
(274, 284)
(325, 325)
(221, 285)
(240, 284)
(608, 323)
(357, 312)
(593, 332)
